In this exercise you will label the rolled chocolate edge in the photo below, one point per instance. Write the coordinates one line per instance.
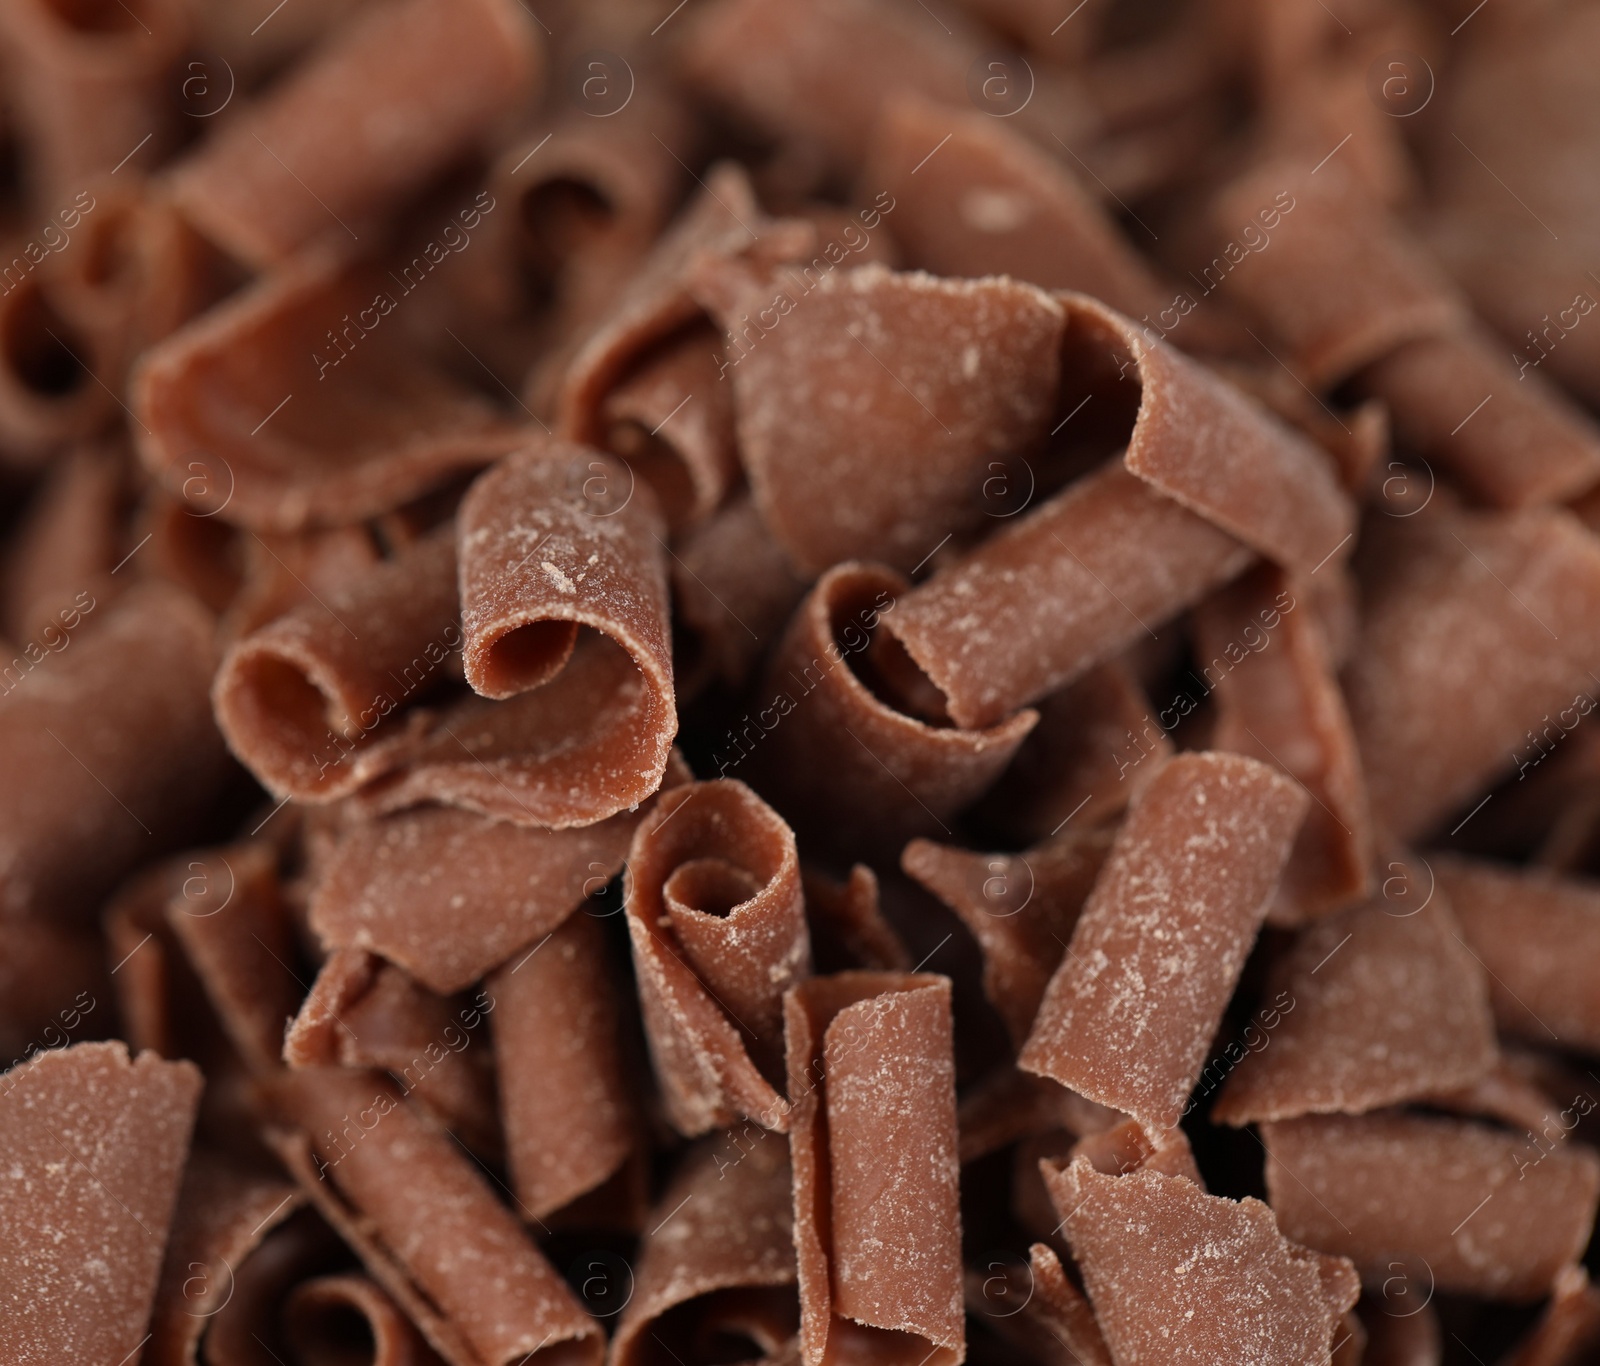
(711, 985)
(721, 1251)
(317, 1321)
(47, 391)
(304, 700)
(893, 774)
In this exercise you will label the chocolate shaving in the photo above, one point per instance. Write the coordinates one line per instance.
(1130, 1013)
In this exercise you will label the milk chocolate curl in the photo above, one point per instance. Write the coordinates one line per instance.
(449, 896)
(1490, 1213)
(733, 590)
(557, 541)
(723, 220)
(319, 1323)
(1021, 908)
(364, 1012)
(565, 1100)
(271, 180)
(1085, 758)
(717, 921)
(1537, 936)
(892, 772)
(877, 1224)
(1513, 602)
(1372, 1006)
(81, 78)
(1315, 231)
(306, 700)
(720, 1262)
(1525, 442)
(299, 401)
(47, 394)
(1104, 562)
(428, 1226)
(1130, 1013)
(902, 389)
(223, 1211)
(1179, 1276)
(672, 421)
(122, 757)
(1266, 661)
(581, 214)
(92, 1144)
(992, 203)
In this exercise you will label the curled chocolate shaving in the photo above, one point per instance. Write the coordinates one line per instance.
(427, 1225)
(1181, 1276)
(508, 887)
(866, 1051)
(910, 390)
(1488, 1212)
(894, 771)
(717, 1272)
(323, 1316)
(1157, 951)
(560, 545)
(307, 700)
(1370, 1007)
(565, 1097)
(1533, 933)
(1512, 600)
(1021, 908)
(717, 921)
(1278, 700)
(345, 419)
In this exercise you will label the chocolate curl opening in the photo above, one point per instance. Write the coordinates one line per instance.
(717, 920)
(891, 773)
(554, 539)
(47, 394)
(719, 1285)
(304, 700)
(349, 1321)
(673, 422)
